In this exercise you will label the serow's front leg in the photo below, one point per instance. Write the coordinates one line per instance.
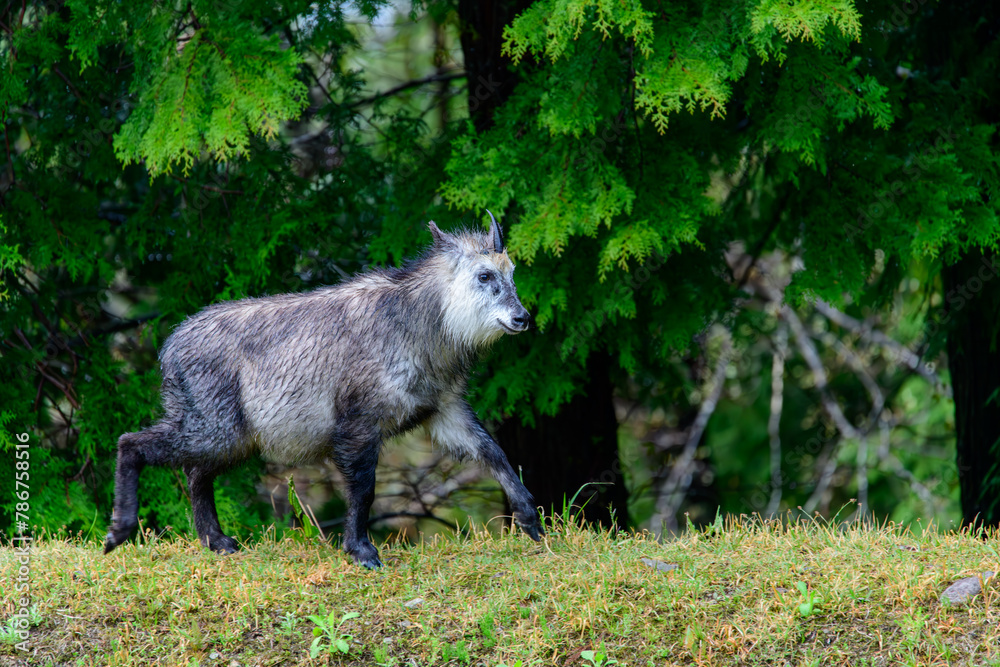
(457, 429)
(356, 458)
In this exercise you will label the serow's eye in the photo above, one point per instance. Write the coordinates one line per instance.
(485, 277)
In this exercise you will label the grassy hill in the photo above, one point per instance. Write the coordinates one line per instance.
(744, 593)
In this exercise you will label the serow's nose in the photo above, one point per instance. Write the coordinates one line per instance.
(521, 320)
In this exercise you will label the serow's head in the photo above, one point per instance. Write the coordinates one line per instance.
(480, 303)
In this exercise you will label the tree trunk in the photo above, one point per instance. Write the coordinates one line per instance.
(973, 294)
(579, 445)
(490, 78)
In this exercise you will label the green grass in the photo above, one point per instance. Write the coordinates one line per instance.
(748, 594)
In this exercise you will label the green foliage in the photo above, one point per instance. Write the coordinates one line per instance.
(551, 26)
(10, 260)
(207, 78)
(774, 23)
(163, 157)
(309, 531)
(785, 98)
(597, 659)
(9, 632)
(328, 633)
(812, 600)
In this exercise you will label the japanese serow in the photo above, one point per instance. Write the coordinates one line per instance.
(332, 374)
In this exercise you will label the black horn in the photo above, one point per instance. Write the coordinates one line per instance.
(495, 234)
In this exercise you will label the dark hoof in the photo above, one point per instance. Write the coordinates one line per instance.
(371, 563)
(115, 537)
(222, 544)
(364, 553)
(530, 524)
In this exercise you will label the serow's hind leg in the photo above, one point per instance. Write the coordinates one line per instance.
(201, 484)
(356, 461)
(131, 461)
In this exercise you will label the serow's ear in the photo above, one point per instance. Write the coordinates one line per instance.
(496, 234)
(440, 238)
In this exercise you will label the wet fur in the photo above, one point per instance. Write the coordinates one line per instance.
(331, 374)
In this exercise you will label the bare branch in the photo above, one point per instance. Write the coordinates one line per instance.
(874, 391)
(673, 490)
(900, 352)
(774, 419)
(878, 403)
(825, 477)
(416, 83)
(804, 343)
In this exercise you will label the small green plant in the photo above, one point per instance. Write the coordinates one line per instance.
(382, 657)
(457, 652)
(912, 624)
(304, 515)
(598, 659)
(288, 624)
(567, 508)
(8, 632)
(230, 635)
(194, 635)
(486, 628)
(694, 635)
(328, 631)
(718, 526)
(34, 616)
(812, 600)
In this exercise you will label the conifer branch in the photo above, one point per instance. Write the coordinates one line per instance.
(416, 83)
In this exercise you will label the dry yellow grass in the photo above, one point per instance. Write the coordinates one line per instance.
(735, 599)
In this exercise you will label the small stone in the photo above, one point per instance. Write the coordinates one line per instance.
(964, 590)
(214, 655)
(414, 603)
(405, 624)
(659, 565)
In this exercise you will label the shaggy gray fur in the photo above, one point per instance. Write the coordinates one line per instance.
(332, 374)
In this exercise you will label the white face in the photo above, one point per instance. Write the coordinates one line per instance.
(484, 303)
